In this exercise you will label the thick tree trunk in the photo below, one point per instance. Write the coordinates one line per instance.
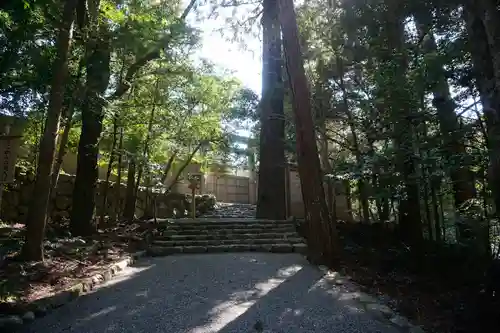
(322, 238)
(37, 216)
(98, 73)
(481, 53)
(489, 12)
(271, 202)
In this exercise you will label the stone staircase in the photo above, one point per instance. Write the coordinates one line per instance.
(210, 235)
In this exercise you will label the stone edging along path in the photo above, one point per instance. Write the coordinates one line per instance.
(40, 307)
(370, 304)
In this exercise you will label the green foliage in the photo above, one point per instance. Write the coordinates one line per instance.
(374, 101)
(173, 105)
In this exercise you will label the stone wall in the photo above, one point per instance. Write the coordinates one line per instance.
(297, 205)
(17, 196)
(241, 188)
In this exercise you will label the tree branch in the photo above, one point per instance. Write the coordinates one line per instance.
(155, 53)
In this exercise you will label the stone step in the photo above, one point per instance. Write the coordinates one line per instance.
(227, 231)
(226, 242)
(224, 220)
(276, 248)
(228, 225)
(228, 216)
(220, 236)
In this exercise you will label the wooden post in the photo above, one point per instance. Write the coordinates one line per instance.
(193, 192)
(194, 183)
(6, 132)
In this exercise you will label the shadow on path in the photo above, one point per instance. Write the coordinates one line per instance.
(222, 293)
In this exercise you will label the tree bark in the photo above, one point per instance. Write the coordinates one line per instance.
(129, 210)
(63, 143)
(394, 62)
(168, 166)
(489, 91)
(322, 238)
(184, 165)
(98, 74)
(361, 182)
(108, 173)
(321, 114)
(453, 144)
(118, 189)
(37, 216)
(92, 115)
(144, 161)
(271, 202)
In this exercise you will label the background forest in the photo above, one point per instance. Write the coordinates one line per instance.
(404, 94)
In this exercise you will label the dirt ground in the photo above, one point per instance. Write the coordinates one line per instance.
(67, 260)
(439, 289)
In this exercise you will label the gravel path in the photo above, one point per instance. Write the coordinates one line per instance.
(224, 293)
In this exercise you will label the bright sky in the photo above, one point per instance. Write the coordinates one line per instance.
(244, 63)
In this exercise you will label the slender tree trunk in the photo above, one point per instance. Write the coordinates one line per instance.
(118, 190)
(326, 166)
(98, 73)
(321, 104)
(425, 191)
(441, 213)
(184, 165)
(322, 237)
(271, 191)
(37, 216)
(111, 162)
(61, 152)
(168, 166)
(361, 182)
(454, 148)
(435, 210)
(129, 210)
(395, 63)
(385, 211)
(56, 170)
(348, 196)
(145, 161)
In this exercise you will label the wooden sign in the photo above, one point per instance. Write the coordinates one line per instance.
(195, 180)
(11, 130)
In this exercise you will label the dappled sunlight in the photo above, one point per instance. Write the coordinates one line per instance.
(191, 295)
(100, 313)
(325, 281)
(239, 302)
(291, 312)
(128, 273)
